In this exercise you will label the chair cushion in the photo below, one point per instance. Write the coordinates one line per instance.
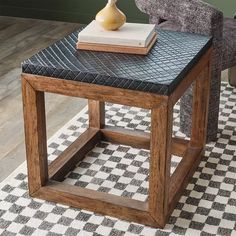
(229, 43)
(170, 25)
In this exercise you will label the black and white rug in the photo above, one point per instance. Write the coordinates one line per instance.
(207, 207)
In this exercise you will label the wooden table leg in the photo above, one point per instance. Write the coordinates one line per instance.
(200, 108)
(35, 136)
(159, 178)
(195, 150)
(96, 114)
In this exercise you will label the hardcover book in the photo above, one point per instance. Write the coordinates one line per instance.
(129, 35)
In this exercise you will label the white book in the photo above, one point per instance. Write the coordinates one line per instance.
(130, 34)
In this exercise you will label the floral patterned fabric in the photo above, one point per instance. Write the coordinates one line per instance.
(197, 17)
(229, 44)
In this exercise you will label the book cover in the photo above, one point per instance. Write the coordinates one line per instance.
(131, 34)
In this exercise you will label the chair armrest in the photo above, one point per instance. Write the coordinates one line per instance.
(194, 16)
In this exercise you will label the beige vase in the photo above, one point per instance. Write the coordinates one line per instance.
(110, 17)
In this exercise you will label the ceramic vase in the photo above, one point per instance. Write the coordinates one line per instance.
(110, 17)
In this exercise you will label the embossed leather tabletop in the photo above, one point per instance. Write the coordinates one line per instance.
(172, 57)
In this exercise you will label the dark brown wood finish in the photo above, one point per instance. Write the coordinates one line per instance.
(108, 204)
(179, 146)
(66, 161)
(164, 190)
(139, 139)
(195, 151)
(180, 177)
(95, 92)
(200, 109)
(159, 177)
(117, 48)
(35, 136)
(96, 114)
(136, 139)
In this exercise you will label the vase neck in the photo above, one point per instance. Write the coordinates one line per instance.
(111, 2)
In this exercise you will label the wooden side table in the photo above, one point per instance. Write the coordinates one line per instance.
(155, 82)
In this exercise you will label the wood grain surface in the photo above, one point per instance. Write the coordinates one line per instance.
(117, 48)
(164, 190)
(20, 38)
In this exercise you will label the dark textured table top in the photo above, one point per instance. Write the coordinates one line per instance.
(172, 57)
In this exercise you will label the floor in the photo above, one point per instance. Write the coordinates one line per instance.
(19, 39)
(207, 206)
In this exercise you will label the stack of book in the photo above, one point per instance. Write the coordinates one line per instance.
(131, 38)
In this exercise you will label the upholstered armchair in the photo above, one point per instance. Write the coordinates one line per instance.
(196, 16)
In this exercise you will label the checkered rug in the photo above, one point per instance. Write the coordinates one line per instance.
(207, 207)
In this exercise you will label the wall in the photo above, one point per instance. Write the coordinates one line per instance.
(227, 6)
(83, 11)
(66, 10)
